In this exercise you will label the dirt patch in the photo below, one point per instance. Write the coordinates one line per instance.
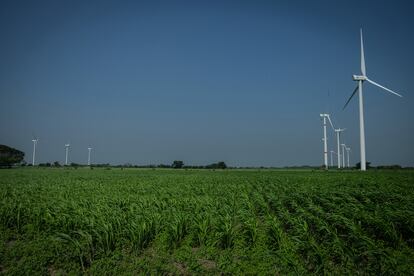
(2, 270)
(52, 271)
(181, 268)
(10, 243)
(208, 264)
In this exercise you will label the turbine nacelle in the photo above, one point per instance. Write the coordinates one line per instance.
(359, 78)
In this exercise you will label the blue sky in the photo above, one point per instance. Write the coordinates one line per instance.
(203, 81)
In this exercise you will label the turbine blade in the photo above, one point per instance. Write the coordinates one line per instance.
(329, 118)
(363, 69)
(353, 93)
(385, 88)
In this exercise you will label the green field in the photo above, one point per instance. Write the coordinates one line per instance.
(74, 221)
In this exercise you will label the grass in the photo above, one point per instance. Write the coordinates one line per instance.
(72, 221)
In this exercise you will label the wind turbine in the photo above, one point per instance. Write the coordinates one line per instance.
(360, 79)
(347, 154)
(343, 155)
(67, 152)
(34, 150)
(89, 156)
(325, 139)
(338, 153)
(332, 158)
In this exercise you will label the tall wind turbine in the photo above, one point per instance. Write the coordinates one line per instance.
(67, 152)
(34, 150)
(89, 156)
(338, 153)
(360, 79)
(325, 139)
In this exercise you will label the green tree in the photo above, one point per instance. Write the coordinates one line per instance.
(10, 156)
(219, 165)
(358, 165)
(177, 164)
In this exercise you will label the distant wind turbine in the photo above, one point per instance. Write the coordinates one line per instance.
(347, 154)
(343, 155)
(89, 156)
(325, 139)
(332, 157)
(360, 79)
(338, 153)
(67, 153)
(35, 140)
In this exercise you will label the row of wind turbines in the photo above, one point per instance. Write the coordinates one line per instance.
(360, 79)
(341, 156)
(67, 146)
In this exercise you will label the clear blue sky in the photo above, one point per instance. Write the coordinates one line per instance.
(203, 81)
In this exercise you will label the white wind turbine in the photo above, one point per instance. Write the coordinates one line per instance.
(332, 158)
(347, 154)
(360, 79)
(89, 156)
(34, 150)
(343, 155)
(67, 153)
(325, 139)
(338, 153)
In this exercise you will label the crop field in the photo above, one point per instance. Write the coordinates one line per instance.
(136, 221)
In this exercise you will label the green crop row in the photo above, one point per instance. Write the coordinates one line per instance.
(163, 221)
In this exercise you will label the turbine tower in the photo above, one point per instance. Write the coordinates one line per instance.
(360, 79)
(325, 139)
(347, 154)
(34, 150)
(89, 156)
(332, 158)
(343, 155)
(338, 153)
(67, 153)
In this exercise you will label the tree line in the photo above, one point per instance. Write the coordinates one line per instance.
(11, 157)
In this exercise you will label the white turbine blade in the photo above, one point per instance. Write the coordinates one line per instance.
(363, 69)
(385, 88)
(329, 118)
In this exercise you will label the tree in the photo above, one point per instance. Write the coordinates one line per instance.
(56, 164)
(177, 164)
(219, 165)
(10, 156)
(358, 165)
